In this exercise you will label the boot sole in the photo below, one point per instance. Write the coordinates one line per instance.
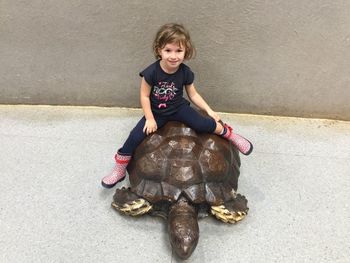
(112, 185)
(251, 149)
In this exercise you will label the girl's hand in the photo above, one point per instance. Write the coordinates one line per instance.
(214, 115)
(150, 126)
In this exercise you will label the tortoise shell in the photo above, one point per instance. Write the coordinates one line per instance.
(176, 161)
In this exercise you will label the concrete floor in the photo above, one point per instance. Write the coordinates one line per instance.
(53, 209)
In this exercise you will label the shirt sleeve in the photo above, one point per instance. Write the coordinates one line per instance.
(148, 74)
(189, 76)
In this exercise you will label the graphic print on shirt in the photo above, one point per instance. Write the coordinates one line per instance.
(164, 92)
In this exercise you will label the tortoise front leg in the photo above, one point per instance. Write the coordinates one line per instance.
(129, 203)
(232, 211)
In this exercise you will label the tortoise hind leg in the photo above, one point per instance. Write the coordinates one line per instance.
(231, 211)
(129, 203)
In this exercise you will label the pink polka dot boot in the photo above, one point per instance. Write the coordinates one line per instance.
(242, 144)
(119, 171)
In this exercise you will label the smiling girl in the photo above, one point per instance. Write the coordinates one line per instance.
(162, 100)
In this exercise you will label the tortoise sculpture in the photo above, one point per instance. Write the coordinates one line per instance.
(181, 175)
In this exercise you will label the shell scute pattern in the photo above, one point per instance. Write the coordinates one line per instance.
(177, 161)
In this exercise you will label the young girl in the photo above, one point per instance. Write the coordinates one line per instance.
(162, 99)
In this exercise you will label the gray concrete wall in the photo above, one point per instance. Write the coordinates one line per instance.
(265, 57)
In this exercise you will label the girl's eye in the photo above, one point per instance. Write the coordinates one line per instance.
(180, 50)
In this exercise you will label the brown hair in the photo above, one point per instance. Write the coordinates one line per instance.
(173, 33)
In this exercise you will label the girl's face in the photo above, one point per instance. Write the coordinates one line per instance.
(172, 55)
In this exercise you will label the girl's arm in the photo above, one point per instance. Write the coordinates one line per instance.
(197, 100)
(145, 91)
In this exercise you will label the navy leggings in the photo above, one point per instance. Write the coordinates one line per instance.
(186, 114)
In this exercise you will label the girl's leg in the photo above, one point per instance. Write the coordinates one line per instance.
(200, 123)
(135, 137)
(192, 118)
(118, 173)
(242, 144)
(124, 154)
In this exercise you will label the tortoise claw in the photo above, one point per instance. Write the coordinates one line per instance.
(134, 208)
(129, 203)
(226, 216)
(232, 211)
